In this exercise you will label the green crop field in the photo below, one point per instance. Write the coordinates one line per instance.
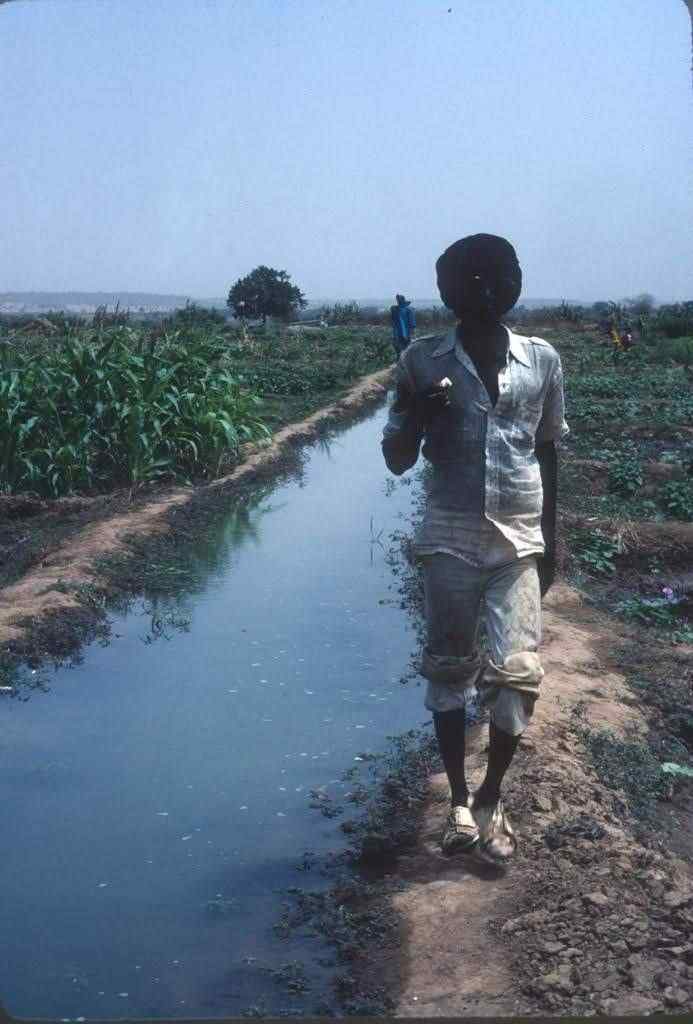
(89, 408)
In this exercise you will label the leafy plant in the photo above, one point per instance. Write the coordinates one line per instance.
(342, 313)
(85, 415)
(594, 550)
(677, 350)
(627, 765)
(603, 385)
(674, 320)
(651, 611)
(292, 975)
(625, 476)
(677, 769)
(193, 315)
(677, 498)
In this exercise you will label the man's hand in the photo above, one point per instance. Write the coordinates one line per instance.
(546, 567)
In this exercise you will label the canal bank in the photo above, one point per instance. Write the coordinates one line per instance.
(595, 915)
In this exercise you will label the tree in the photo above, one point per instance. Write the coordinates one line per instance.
(265, 292)
(641, 304)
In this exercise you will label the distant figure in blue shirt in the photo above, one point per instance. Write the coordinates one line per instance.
(403, 324)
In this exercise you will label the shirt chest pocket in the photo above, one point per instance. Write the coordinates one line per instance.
(525, 404)
(461, 427)
(470, 424)
(529, 413)
(520, 419)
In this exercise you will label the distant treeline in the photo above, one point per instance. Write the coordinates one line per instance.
(672, 320)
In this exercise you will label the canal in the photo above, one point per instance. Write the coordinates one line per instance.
(156, 796)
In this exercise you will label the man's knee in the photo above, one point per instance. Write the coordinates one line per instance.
(451, 679)
(511, 689)
(521, 671)
(451, 670)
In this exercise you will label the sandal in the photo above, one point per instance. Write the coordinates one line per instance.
(461, 833)
(497, 840)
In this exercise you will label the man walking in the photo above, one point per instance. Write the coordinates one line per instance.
(403, 323)
(488, 405)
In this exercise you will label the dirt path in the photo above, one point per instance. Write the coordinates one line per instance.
(591, 918)
(32, 606)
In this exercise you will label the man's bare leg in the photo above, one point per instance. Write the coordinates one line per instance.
(450, 729)
(501, 750)
(461, 832)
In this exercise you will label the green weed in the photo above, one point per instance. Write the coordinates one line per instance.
(628, 765)
(674, 321)
(679, 350)
(659, 613)
(292, 976)
(625, 475)
(677, 498)
(594, 550)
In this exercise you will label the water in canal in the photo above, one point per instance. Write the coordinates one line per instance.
(156, 796)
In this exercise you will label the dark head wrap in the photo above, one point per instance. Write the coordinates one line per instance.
(479, 274)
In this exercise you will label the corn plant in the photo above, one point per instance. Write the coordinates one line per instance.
(89, 413)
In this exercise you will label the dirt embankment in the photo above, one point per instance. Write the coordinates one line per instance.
(595, 915)
(42, 611)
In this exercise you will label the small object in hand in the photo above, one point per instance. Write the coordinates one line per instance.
(435, 400)
(441, 391)
(445, 384)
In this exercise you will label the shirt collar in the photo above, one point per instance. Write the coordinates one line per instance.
(516, 346)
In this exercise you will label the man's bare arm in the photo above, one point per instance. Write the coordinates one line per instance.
(548, 467)
(404, 430)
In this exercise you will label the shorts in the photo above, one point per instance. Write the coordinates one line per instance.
(506, 590)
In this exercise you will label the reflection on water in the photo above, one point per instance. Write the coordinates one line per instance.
(163, 620)
(159, 789)
(240, 524)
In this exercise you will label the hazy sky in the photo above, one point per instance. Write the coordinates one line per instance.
(156, 145)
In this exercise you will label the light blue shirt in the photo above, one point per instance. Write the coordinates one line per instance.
(484, 468)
